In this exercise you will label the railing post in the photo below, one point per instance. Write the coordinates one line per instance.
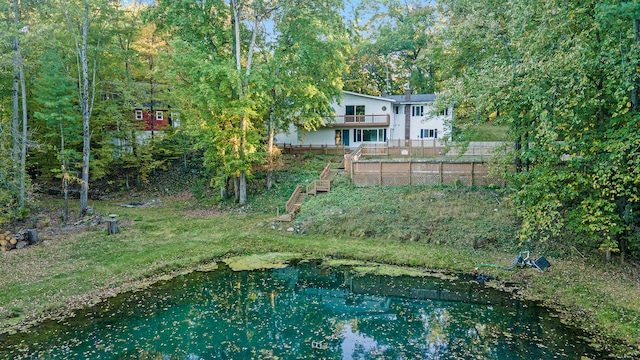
(351, 166)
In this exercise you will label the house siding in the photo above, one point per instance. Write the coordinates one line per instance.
(401, 126)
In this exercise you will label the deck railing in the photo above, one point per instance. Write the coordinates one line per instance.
(364, 120)
(315, 149)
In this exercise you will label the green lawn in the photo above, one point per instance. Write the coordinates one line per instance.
(451, 230)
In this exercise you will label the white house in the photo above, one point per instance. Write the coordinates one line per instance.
(376, 119)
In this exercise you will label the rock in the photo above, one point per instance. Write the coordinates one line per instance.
(290, 229)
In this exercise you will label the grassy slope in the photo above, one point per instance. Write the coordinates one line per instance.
(376, 224)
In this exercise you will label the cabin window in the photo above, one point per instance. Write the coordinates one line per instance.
(159, 115)
(429, 133)
(138, 114)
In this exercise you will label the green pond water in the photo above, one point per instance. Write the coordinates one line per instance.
(304, 312)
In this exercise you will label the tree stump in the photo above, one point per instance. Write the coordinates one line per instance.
(32, 236)
(112, 226)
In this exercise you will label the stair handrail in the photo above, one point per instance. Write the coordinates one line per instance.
(311, 188)
(325, 172)
(292, 200)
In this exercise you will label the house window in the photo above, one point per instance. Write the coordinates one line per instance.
(445, 112)
(159, 115)
(417, 110)
(429, 133)
(354, 113)
(138, 114)
(370, 135)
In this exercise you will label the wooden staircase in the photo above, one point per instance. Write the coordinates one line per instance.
(297, 197)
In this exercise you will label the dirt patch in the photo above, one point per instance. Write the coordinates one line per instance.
(181, 196)
(202, 213)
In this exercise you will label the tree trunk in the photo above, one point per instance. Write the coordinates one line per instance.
(271, 136)
(32, 236)
(243, 188)
(65, 177)
(236, 190)
(14, 95)
(23, 153)
(112, 227)
(241, 192)
(152, 115)
(86, 114)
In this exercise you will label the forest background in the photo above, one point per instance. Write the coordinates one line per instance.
(561, 76)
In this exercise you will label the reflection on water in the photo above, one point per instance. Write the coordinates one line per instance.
(304, 312)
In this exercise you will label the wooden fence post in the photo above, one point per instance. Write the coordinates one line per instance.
(473, 167)
(380, 176)
(441, 175)
(351, 166)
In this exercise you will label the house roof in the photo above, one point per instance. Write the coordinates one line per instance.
(415, 98)
(369, 96)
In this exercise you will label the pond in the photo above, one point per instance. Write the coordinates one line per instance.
(305, 311)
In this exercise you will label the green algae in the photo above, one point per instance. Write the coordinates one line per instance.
(370, 268)
(208, 267)
(262, 261)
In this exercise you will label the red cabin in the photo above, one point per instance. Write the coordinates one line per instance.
(159, 120)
